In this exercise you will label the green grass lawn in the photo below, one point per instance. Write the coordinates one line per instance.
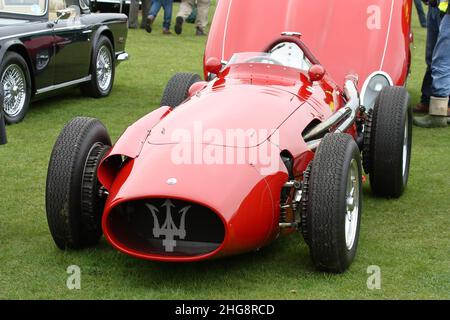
(407, 238)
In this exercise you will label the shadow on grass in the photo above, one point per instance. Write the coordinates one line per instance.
(285, 256)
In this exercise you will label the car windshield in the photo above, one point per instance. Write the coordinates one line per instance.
(26, 7)
(285, 54)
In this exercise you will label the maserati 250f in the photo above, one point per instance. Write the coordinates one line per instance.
(151, 201)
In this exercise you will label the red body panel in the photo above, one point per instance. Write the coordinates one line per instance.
(351, 36)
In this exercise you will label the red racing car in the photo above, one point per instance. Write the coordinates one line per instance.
(269, 145)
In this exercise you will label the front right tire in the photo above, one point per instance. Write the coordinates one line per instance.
(74, 207)
(177, 89)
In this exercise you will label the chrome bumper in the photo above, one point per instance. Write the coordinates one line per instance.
(122, 56)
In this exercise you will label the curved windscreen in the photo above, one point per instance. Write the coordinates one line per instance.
(286, 54)
(26, 7)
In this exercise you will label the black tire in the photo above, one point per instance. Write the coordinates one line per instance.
(10, 60)
(93, 88)
(73, 205)
(391, 122)
(177, 89)
(327, 203)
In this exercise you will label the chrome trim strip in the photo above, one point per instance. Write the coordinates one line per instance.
(69, 28)
(63, 85)
(25, 34)
(43, 31)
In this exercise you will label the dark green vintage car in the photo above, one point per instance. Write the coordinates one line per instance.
(48, 45)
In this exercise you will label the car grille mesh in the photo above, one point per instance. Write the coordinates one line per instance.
(166, 227)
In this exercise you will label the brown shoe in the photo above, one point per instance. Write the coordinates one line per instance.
(200, 32)
(166, 32)
(422, 108)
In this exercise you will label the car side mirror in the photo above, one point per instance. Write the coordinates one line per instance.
(63, 14)
(213, 65)
(316, 73)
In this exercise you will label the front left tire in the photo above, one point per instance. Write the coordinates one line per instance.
(102, 70)
(73, 204)
(333, 210)
(16, 82)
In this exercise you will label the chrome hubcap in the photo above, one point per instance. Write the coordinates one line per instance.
(352, 205)
(405, 148)
(14, 90)
(104, 68)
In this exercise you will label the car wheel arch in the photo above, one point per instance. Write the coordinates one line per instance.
(102, 31)
(19, 48)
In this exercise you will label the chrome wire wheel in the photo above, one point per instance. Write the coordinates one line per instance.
(104, 68)
(352, 205)
(14, 89)
(405, 147)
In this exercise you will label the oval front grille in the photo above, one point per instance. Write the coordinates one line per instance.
(166, 227)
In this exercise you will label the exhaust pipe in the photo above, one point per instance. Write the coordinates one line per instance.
(343, 118)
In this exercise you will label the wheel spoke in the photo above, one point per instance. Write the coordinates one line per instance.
(352, 207)
(14, 86)
(104, 68)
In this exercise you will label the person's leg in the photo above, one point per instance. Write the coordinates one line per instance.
(133, 14)
(440, 72)
(433, 22)
(421, 13)
(168, 6)
(154, 9)
(202, 15)
(186, 7)
(156, 6)
(440, 66)
(146, 5)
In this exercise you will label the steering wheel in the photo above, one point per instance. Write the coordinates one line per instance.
(263, 59)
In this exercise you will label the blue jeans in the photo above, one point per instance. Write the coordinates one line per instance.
(421, 13)
(167, 6)
(440, 66)
(433, 23)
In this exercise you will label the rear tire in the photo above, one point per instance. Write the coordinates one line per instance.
(388, 148)
(73, 205)
(177, 89)
(333, 211)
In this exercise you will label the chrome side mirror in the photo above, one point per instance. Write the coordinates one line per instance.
(63, 14)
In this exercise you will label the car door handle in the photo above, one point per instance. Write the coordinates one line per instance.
(87, 31)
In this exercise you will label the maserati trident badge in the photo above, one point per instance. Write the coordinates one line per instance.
(169, 230)
(172, 181)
